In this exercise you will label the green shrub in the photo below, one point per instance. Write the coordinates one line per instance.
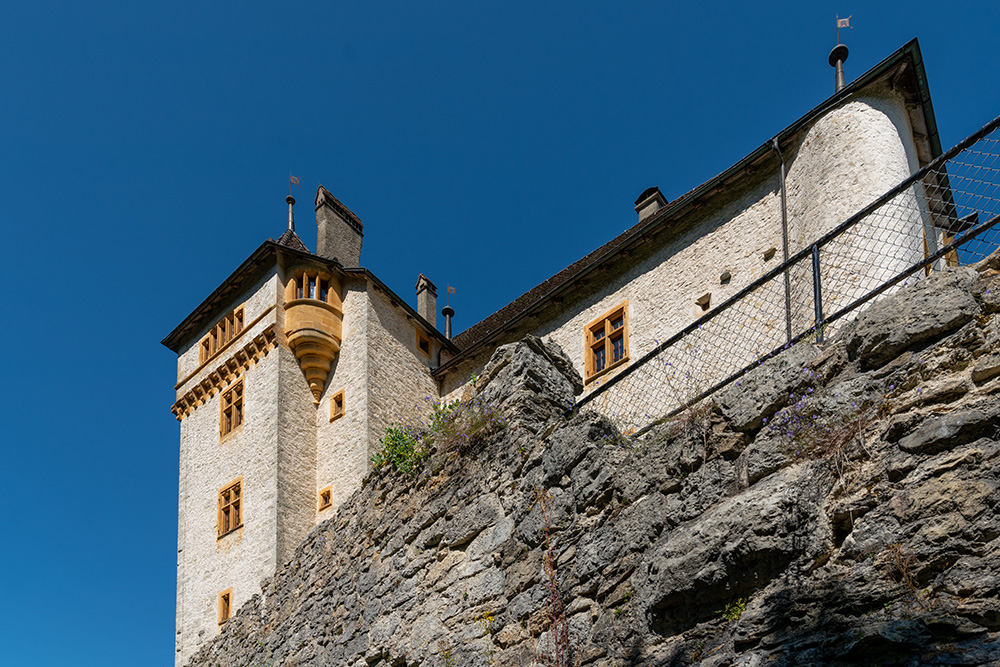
(402, 449)
(453, 426)
(733, 610)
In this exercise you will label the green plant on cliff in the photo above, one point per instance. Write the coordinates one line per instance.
(734, 610)
(444, 650)
(451, 426)
(812, 433)
(461, 425)
(401, 449)
(900, 565)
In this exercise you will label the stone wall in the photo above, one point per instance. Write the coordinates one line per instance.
(257, 300)
(399, 380)
(748, 532)
(342, 445)
(206, 566)
(295, 457)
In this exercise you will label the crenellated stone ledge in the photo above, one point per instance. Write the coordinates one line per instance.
(227, 371)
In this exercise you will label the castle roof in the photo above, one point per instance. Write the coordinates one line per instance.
(903, 70)
(266, 256)
(291, 240)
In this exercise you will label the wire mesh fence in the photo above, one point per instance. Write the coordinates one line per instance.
(943, 215)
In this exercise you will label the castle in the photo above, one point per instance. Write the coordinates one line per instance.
(290, 370)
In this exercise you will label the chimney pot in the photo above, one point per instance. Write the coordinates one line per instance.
(837, 59)
(448, 313)
(291, 219)
(649, 202)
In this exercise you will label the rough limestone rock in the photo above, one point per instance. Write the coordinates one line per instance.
(534, 376)
(858, 526)
(926, 311)
(758, 395)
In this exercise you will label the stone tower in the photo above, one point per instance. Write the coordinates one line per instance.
(285, 374)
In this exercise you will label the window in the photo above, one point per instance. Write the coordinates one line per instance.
(221, 334)
(337, 405)
(232, 409)
(325, 498)
(231, 507)
(225, 605)
(311, 286)
(423, 343)
(607, 341)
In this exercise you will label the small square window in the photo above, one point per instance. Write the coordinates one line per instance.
(423, 344)
(337, 405)
(607, 341)
(325, 499)
(230, 507)
(225, 605)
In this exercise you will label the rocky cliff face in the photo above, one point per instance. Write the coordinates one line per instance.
(836, 506)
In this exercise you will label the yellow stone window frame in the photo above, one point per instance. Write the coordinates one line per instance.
(231, 411)
(225, 605)
(221, 335)
(230, 512)
(337, 405)
(423, 344)
(325, 500)
(606, 344)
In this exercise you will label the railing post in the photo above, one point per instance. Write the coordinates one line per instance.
(817, 293)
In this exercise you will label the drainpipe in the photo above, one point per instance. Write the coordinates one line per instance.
(784, 242)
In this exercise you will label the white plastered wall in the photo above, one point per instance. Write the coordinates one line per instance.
(844, 161)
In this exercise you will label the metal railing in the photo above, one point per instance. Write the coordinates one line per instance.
(942, 215)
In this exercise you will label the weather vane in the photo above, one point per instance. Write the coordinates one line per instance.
(292, 180)
(447, 298)
(843, 23)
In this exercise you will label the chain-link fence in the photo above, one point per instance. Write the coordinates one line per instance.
(943, 215)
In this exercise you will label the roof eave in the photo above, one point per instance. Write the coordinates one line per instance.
(249, 269)
(182, 331)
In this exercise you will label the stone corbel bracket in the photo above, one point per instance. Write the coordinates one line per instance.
(227, 371)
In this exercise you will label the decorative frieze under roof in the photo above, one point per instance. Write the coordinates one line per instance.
(228, 370)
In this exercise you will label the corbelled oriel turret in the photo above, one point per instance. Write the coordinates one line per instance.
(314, 316)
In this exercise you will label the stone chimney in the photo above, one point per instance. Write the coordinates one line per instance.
(649, 202)
(339, 231)
(427, 300)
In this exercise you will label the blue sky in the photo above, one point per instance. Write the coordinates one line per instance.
(146, 148)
